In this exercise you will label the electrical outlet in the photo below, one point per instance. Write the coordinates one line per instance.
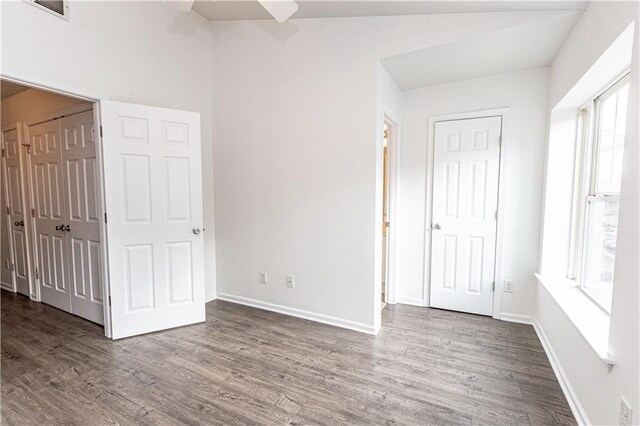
(291, 281)
(262, 277)
(509, 286)
(625, 413)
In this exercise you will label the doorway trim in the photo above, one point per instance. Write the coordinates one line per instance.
(36, 81)
(393, 164)
(498, 274)
(385, 113)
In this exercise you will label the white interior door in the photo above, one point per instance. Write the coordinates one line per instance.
(81, 214)
(17, 234)
(153, 191)
(465, 203)
(49, 208)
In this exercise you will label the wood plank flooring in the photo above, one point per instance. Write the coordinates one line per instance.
(248, 366)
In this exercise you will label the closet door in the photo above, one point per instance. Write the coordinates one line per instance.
(16, 211)
(49, 207)
(78, 155)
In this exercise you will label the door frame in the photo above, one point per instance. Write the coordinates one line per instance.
(393, 159)
(385, 113)
(498, 273)
(46, 84)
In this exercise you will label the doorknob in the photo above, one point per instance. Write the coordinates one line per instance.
(196, 230)
(21, 223)
(66, 228)
(436, 226)
(59, 227)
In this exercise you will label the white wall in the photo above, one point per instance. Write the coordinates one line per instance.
(139, 52)
(296, 165)
(598, 390)
(525, 94)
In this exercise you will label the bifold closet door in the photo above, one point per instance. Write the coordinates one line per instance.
(16, 211)
(67, 236)
(80, 212)
(48, 197)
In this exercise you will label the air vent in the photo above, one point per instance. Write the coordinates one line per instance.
(55, 7)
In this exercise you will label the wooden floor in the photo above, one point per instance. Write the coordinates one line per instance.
(248, 366)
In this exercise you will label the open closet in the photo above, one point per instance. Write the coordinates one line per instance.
(52, 208)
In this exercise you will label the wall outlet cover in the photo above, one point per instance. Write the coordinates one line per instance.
(291, 281)
(625, 413)
(262, 277)
(509, 286)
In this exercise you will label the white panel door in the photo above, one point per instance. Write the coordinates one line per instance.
(49, 207)
(16, 211)
(81, 217)
(153, 191)
(465, 203)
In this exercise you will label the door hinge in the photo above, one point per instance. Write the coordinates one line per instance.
(495, 215)
(2, 152)
(33, 212)
(493, 286)
(37, 274)
(500, 141)
(100, 131)
(8, 211)
(109, 300)
(105, 217)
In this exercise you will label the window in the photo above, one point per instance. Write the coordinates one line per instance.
(598, 178)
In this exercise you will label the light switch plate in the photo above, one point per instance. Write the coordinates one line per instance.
(291, 281)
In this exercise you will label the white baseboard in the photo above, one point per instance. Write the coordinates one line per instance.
(299, 313)
(569, 394)
(6, 286)
(209, 297)
(414, 301)
(520, 319)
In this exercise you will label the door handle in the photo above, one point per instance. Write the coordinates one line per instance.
(21, 223)
(196, 230)
(436, 226)
(66, 228)
(59, 227)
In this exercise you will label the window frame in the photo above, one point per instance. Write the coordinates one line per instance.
(585, 175)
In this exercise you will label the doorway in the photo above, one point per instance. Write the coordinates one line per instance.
(464, 223)
(388, 138)
(52, 200)
(108, 189)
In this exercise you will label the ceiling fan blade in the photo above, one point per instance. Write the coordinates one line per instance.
(179, 5)
(281, 10)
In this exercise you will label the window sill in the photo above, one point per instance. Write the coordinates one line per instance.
(590, 320)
